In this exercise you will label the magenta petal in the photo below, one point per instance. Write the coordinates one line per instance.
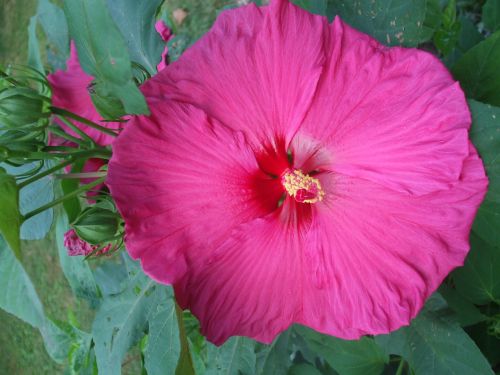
(70, 91)
(394, 116)
(252, 285)
(373, 255)
(248, 71)
(181, 188)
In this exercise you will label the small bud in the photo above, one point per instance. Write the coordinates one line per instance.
(21, 107)
(107, 104)
(76, 246)
(97, 225)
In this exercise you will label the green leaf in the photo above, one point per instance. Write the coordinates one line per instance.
(75, 268)
(10, 217)
(53, 22)
(313, 6)
(163, 346)
(479, 279)
(468, 38)
(435, 346)
(136, 21)
(122, 319)
(18, 297)
(235, 357)
(477, 71)
(303, 369)
(467, 314)
(102, 51)
(31, 197)
(278, 360)
(489, 344)
(396, 22)
(485, 134)
(34, 58)
(356, 357)
(491, 15)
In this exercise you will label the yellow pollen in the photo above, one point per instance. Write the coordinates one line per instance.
(302, 187)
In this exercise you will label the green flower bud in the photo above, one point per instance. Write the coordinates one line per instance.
(97, 225)
(21, 107)
(108, 105)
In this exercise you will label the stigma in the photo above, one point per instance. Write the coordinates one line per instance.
(302, 187)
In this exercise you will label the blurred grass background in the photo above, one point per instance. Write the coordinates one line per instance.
(21, 346)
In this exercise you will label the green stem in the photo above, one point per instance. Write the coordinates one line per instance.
(45, 173)
(102, 129)
(61, 133)
(81, 175)
(76, 129)
(63, 198)
(400, 367)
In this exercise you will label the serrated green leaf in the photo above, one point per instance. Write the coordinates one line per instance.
(235, 357)
(435, 346)
(397, 22)
(347, 357)
(102, 51)
(136, 21)
(491, 15)
(75, 268)
(18, 297)
(477, 71)
(479, 279)
(163, 346)
(10, 217)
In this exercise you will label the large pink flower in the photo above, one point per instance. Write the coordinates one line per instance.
(295, 171)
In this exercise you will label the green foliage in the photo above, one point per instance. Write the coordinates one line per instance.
(10, 217)
(397, 22)
(136, 21)
(357, 357)
(34, 57)
(313, 6)
(163, 347)
(20, 299)
(491, 15)
(33, 196)
(477, 71)
(433, 345)
(102, 51)
(447, 36)
(479, 279)
(76, 270)
(235, 357)
(53, 22)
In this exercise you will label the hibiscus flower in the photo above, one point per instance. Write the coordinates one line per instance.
(296, 171)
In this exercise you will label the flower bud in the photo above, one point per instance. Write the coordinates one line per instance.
(97, 225)
(108, 105)
(76, 246)
(21, 107)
